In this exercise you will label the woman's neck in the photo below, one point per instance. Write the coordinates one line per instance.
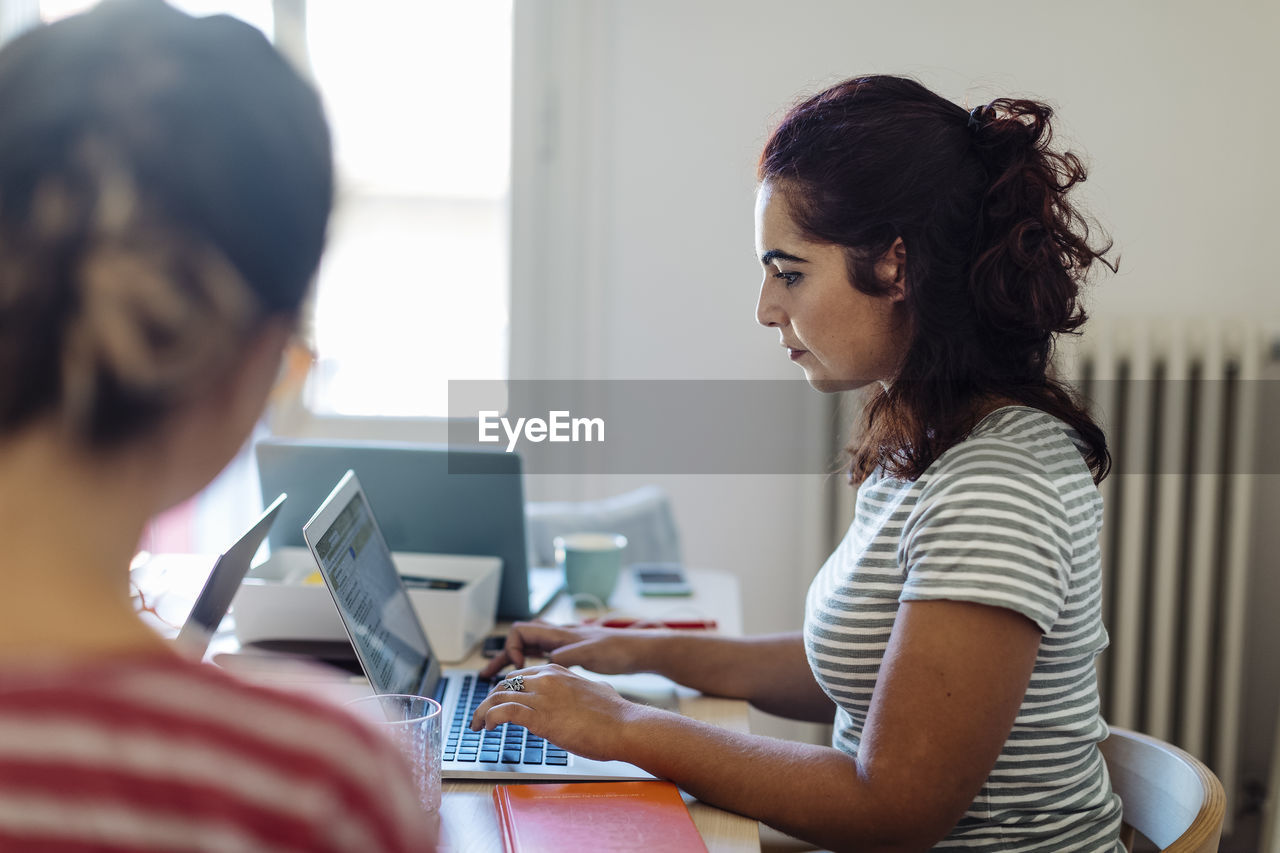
(72, 525)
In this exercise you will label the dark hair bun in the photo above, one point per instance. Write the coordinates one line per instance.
(165, 183)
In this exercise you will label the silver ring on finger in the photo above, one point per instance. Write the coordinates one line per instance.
(514, 683)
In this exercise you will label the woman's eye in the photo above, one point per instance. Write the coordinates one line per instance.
(789, 277)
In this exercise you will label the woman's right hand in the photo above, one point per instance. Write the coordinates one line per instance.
(608, 651)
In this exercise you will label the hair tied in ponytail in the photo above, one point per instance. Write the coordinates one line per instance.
(977, 116)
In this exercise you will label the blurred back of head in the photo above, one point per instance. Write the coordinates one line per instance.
(165, 185)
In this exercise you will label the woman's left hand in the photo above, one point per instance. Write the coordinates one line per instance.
(572, 712)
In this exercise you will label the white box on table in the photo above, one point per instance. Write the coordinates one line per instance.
(275, 604)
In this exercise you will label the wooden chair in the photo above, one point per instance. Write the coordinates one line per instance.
(1169, 796)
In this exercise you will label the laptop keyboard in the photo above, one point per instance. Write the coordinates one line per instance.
(506, 744)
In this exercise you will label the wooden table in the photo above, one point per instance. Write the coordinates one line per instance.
(469, 823)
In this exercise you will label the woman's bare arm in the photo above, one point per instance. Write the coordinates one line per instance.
(949, 689)
(770, 672)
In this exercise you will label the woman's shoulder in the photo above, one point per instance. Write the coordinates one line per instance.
(277, 764)
(1026, 438)
(171, 691)
(220, 689)
(1013, 447)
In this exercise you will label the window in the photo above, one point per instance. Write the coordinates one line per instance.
(414, 286)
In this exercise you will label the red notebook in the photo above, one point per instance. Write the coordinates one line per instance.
(596, 817)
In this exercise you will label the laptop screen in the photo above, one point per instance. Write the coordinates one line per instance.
(432, 499)
(372, 600)
(222, 584)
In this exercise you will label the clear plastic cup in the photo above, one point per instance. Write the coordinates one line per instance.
(414, 724)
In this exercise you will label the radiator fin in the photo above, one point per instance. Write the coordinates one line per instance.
(1179, 406)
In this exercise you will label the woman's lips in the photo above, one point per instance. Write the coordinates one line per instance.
(795, 353)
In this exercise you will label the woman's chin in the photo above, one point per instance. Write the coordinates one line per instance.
(831, 385)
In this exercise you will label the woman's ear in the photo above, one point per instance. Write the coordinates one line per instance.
(241, 393)
(262, 359)
(202, 437)
(892, 270)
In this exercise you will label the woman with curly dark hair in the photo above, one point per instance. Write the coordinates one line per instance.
(931, 254)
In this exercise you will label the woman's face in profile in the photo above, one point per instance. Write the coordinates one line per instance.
(841, 337)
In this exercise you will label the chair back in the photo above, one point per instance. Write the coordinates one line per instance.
(643, 515)
(1168, 795)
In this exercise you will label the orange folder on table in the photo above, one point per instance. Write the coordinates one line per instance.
(596, 817)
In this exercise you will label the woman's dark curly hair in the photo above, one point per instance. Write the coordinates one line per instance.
(995, 252)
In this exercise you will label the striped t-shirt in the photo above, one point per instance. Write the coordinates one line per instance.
(1009, 517)
(154, 753)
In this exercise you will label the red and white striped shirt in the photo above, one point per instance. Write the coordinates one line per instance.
(156, 753)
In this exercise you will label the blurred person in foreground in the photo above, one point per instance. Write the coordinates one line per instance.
(165, 185)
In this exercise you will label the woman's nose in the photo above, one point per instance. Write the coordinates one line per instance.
(768, 311)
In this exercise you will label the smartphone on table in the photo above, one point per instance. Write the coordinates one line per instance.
(660, 579)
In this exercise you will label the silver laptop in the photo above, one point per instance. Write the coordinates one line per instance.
(356, 564)
(221, 585)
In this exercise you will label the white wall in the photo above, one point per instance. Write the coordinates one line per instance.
(1172, 102)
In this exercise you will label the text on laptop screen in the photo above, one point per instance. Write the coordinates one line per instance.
(364, 582)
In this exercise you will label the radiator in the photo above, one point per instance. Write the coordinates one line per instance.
(1179, 403)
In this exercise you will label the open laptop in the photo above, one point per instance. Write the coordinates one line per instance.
(431, 499)
(221, 585)
(357, 567)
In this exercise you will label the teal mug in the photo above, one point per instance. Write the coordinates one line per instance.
(591, 562)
